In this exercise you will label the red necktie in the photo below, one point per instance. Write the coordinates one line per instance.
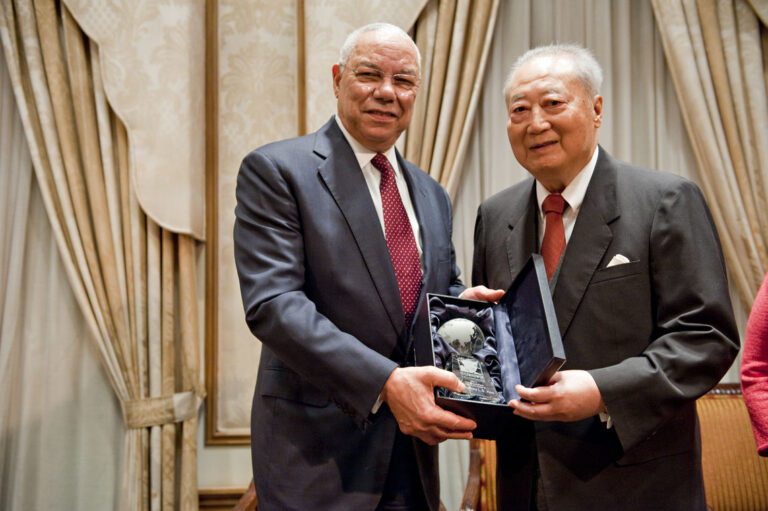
(553, 244)
(400, 239)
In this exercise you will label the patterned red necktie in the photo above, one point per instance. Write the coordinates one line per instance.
(400, 239)
(553, 244)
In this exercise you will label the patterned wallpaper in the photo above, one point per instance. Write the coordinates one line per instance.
(257, 104)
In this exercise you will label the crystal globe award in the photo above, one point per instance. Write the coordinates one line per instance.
(466, 338)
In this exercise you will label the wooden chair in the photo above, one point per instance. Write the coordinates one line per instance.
(480, 492)
(249, 501)
(735, 477)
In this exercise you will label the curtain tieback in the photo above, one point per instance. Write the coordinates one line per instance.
(156, 411)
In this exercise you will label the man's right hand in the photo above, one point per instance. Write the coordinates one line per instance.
(409, 392)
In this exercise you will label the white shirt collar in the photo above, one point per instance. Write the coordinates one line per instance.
(576, 189)
(365, 155)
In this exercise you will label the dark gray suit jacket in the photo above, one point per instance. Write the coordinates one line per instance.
(655, 333)
(320, 292)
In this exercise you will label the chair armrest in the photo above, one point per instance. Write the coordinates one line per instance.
(249, 501)
(472, 491)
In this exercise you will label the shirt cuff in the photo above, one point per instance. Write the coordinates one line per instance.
(377, 405)
(606, 417)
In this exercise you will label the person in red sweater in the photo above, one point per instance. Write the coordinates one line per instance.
(754, 368)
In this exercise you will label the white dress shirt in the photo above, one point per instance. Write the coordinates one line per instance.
(573, 195)
(372, 177)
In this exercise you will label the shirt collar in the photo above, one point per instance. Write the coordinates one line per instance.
(364, 155)
(576, 190)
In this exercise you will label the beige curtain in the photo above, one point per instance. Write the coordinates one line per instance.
(453, 37)
(716, 50)
(134, 282)
(60, 423)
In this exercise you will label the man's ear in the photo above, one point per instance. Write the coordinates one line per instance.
(598, 108)
(336, 70)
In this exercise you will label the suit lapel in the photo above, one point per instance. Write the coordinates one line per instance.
(425, 215)
(341, 174)
(521, 240)
(589, 240)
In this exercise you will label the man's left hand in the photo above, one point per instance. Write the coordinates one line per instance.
(569, 396)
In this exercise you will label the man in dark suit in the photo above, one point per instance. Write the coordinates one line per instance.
(337, 240)
(641, 298)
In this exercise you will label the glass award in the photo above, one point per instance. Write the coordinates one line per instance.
(464, 336)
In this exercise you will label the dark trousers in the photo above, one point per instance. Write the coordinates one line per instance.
(402, 489)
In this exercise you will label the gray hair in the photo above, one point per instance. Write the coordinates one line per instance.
(587, 70)
(351, 41)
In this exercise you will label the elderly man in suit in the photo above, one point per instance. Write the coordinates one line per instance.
(337, 240)
(639, 286)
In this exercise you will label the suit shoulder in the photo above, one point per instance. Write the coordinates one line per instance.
(638, 181)
(282, 148)
(510, 195)
(640, 176)
(291, 158)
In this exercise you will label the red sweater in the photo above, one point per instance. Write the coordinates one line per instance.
(754, 368)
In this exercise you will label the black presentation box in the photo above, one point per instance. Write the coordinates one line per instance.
(522, 345)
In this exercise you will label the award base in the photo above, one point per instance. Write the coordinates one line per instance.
(475, 377)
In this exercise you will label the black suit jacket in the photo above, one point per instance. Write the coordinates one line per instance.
(320, 292)
(655, 333)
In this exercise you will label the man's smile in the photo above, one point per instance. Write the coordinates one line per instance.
(382, 113)
(543, 145)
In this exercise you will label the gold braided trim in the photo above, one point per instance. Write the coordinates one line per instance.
(156, 411)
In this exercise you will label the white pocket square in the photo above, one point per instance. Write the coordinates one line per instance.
(617, 259)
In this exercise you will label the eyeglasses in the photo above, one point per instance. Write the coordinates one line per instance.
(402, 82)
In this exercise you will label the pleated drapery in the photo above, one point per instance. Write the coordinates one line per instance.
(134, 281)
(454, 38)
(60, 421)
(716, 50)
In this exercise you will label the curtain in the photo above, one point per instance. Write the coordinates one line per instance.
(716, 52)
(134, 282)
(56, 407)
(453, 37)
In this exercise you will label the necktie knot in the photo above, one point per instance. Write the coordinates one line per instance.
(554, 203)
(381, 163)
